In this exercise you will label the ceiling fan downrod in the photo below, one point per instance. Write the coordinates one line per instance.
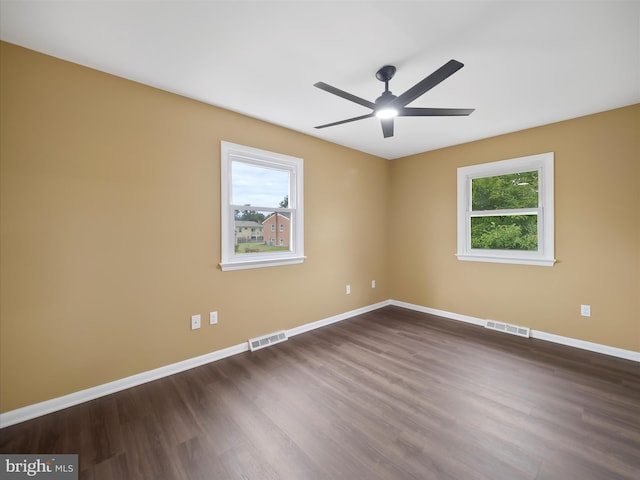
(385, 74)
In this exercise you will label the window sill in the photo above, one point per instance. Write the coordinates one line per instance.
(271, 262)
(544, 262)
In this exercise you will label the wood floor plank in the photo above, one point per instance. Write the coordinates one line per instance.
(391, 394)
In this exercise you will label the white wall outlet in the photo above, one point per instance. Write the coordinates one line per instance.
(195, 322)
(585, 310)
(373, 284)
(348, 289)
(213, 318)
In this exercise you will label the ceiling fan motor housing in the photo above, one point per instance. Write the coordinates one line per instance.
(385, 99)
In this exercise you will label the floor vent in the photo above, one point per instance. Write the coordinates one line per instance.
(267, 340)
(508, 328)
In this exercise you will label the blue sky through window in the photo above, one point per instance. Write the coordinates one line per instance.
(258, 185)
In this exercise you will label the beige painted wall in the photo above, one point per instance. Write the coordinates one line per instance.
(597, 224)
(110, 235)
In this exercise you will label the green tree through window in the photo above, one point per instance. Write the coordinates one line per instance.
(507, 230)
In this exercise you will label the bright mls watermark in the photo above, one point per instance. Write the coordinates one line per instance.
(51, 467)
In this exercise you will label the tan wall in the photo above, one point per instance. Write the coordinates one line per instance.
(597, 224)
(110, 235)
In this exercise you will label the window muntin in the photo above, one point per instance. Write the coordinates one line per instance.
(505, 211)
(259, 189)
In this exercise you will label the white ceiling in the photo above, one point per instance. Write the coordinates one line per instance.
(527, 63)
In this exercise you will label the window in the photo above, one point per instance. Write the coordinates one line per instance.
(505, 211)
(259, 188)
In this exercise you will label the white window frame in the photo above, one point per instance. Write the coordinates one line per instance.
(229, 259)
(544, 256)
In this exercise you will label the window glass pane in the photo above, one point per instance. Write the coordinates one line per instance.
(258, 185)
(256, 232)
(514, 190)
(512, 232)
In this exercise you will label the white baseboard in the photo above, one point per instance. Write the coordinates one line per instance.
(550, 337)
(584, 345)
(336, 318)
(439, 313)
(49, 406)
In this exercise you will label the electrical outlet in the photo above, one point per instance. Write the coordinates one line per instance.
(348, 289)
(195, 322)
(213, 318)
(373, 284)
(585, 310)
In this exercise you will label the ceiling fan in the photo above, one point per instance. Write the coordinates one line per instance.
(387, 106)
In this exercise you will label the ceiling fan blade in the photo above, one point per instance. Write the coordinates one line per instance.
(434, 112)
(345, 95)
(361, 117)
(444, 72)
(387, 127)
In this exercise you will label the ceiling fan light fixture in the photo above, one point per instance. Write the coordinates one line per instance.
(385, 108)
(385, 113)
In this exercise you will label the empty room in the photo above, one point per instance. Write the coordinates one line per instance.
(320, 240)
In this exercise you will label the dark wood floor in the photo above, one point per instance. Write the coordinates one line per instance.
(392, 394)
